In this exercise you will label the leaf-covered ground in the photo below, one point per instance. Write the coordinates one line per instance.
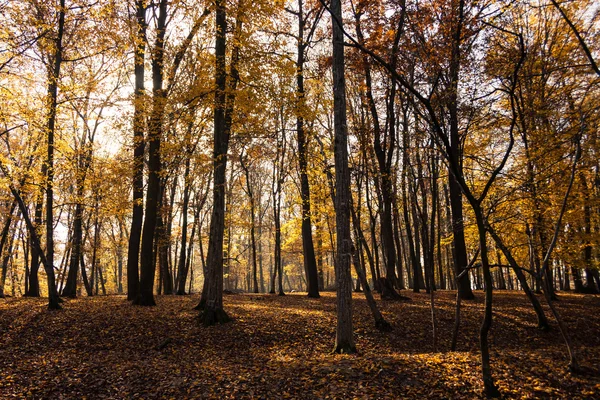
(280, 347)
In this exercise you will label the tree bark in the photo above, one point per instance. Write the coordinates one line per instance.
(344, 342)
(310, 261)
(147, 257)
(133, 251)
(182, 273)
(211, 302)
(53, 78)
(460, 249)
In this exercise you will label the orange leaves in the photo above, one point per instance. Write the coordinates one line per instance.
(280, 347)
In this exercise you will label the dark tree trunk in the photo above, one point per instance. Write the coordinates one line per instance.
(374, 267)
(344, 342)
(460, 249)
(34, 282)
(5, 253)
(147, 266)
(277, 218)
(96, 245)
(53, 78)
(162, 245)
(120, 258)
(250, 192)
(70, 288)
(414, 266)
(384, 149)
(542, 320)
(310, 261)
(212, 294)
(398, 243)
(579, 288)
(259, 247)
(182, 273)
(380, 322)
(133, 251)
(490, 388)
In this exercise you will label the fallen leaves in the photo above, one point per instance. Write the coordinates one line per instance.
(280, 347)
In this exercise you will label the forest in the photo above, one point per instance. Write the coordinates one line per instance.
(299, 199)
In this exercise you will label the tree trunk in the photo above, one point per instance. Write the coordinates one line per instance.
(34, 282)
(133, 251)
(53, 78)
(344, 342)
(147, 266)
(250, 192)
(542, 320)
(490, 388)
(310, 261)
(182, 273)
(5, 253)
(460, 249)
(212, 301)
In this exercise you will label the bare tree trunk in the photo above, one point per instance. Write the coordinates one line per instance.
(250, 192)
(460, 249)
(181, 274)
(133, 251)
(212, 301)
(344, 342)
(147, 266)
(53, 77)
(34, 282)
(310, 262)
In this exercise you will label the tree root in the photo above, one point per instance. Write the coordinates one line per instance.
(210, 317)
(383, 326)
(344, 348)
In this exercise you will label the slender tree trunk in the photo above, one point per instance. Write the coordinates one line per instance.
(8, 252)
(490, 388)
(380, 322)
(344, 342)
(133, 251)
(212, 301)
(460, 249)
(5, 253)
(181, 274)
(250, 192)
(120, 258)
(384, 156)
(310, 261)
(163, 236)
(53, 78)
(375, 272)
(542, 320)
(34, 282)
(147, 257)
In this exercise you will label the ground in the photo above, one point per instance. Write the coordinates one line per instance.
(280, 347)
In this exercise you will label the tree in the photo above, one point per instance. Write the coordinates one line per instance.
(135, 232)
(211, 302)
(146, 296)
(344, 340)
(310, 261)
(51, 104)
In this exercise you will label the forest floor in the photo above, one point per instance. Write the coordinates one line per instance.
(280, 347)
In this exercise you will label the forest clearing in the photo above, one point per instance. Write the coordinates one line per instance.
(281, 347)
